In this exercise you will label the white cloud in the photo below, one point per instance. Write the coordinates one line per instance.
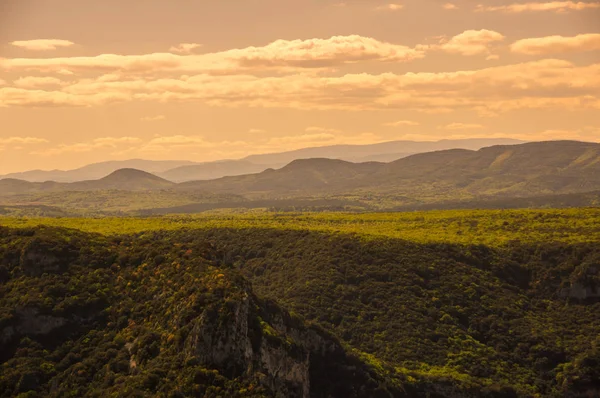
(280, 55)
(390, 7)
(556, 6)
(82, 147)
(549, 83)
(42, 44)
(557, 44)
(316, 129)
(22, 140)
(471, 42)
(37, 81)
(153, 118)
(185, 48)
(401, 123)
(307, 139)
(256, 131)
(185, 142)
(450, 6)
(461, 126)
(114, 141)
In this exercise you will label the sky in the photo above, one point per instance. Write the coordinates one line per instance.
(84, 81)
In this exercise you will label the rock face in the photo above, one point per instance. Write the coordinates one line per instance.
(41, 256)
(29, 322)
(579, 291)
(238, 344)
(584, 283)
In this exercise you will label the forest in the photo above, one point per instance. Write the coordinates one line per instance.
(421, 304)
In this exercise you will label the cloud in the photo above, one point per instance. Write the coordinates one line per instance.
(185, 48)
(37, 81)
(315, 129)
(461, 126)
(492, 57)
(82, 147)
(318, 139)
(557, 44)
(183, 142)
(114, 141)
(280, 55)
(256, 131)
(42, 44)
(471, 42)
(540, 84)
(153, 118)
(22, 140)
(450, 6)
(301, 139)
(196, 145)
(390, 7)
(556, 6)
(402, 123)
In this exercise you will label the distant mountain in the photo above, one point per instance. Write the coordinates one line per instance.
(384, 151)
(298, 177)
(517, 170)
(98, 170)
(502, 171)
(123, 179)
(126, 180)
(180, 171)
(212, 170)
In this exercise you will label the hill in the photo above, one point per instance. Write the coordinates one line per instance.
(200, 312)
(554, 167)
(304, 176)
(97, 170)
(123, 179)
(496, 177)
(180, 171)
(138, 325)
(384, 151)
(211, 170)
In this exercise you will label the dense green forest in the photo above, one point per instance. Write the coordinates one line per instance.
(431, 304)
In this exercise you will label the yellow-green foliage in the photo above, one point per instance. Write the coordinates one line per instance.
(490, 227)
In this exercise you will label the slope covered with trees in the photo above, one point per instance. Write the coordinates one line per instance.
(500, 304)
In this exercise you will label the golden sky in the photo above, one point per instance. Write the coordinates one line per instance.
(83, 81)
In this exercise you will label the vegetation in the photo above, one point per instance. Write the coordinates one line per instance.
(489, 227)
(540, 174)
(432, 304)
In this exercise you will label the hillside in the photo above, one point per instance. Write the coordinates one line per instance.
(98, 170)
(305, 176)
(152, 313)
(180, 171)
(497, 177)
(553, 167)
(132, 316)
(212, 170)
(123, 179)
(391, 150)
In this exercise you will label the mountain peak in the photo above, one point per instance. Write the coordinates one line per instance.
(131, 173)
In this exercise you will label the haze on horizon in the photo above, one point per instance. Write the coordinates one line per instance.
(83, 82)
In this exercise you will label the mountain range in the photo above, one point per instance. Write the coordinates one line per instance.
(515, 170)
(452, 178)
(180, 171)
